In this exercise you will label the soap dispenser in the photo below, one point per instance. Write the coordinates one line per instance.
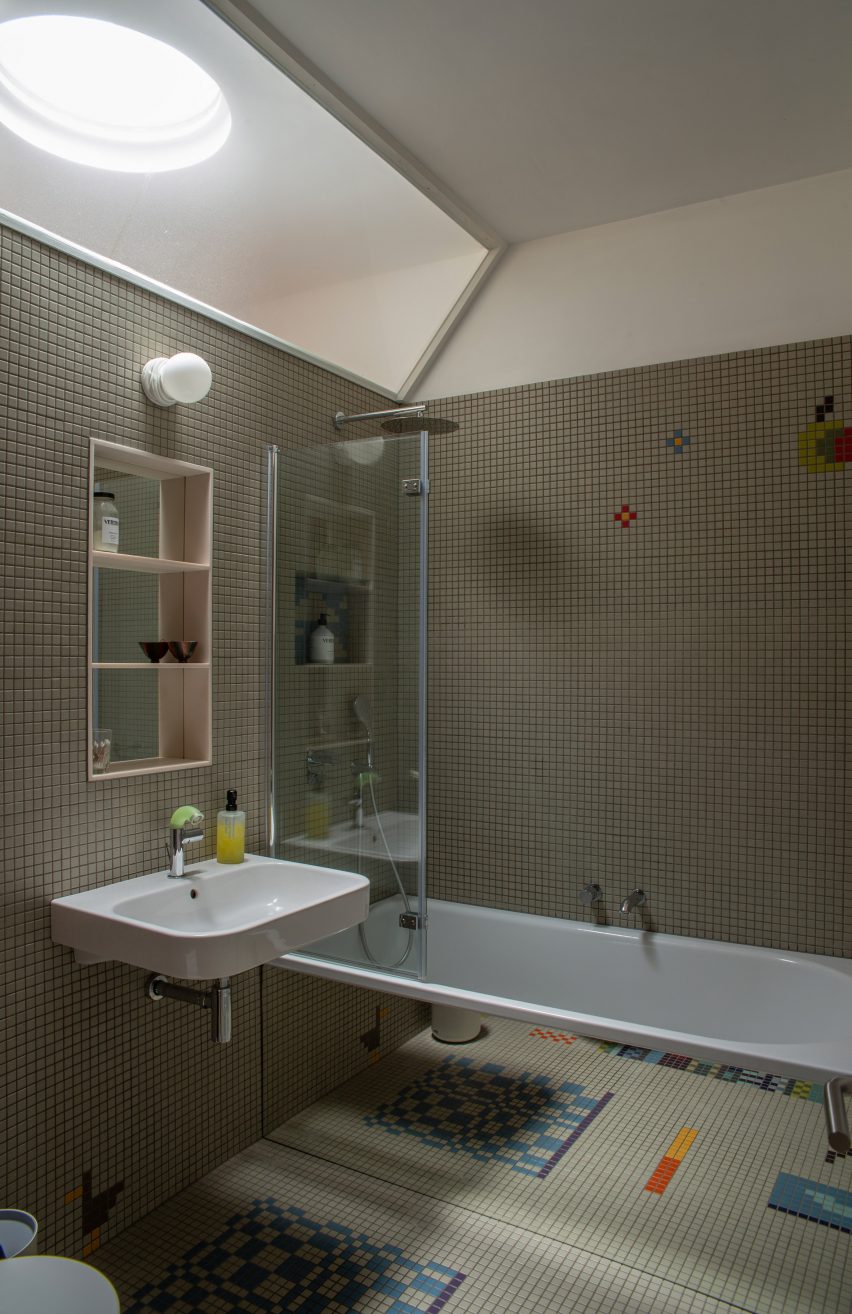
(317, 803)
(322, 643)
(231, 831)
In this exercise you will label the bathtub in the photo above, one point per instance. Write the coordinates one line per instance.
(779, 1012)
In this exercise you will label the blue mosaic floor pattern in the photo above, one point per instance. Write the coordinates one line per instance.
(815, 1201)
(525, 1122)
(274, 1258)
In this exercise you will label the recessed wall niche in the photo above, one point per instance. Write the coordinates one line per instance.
(149, 623)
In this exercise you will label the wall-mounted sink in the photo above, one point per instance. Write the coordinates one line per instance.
(217, 920)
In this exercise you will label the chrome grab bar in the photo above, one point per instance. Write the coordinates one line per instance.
(836, 1119)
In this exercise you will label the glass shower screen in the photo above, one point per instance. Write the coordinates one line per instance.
(347, 734)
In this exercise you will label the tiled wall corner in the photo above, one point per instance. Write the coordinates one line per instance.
(307, 1053)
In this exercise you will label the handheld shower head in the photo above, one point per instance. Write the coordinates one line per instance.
(364, 712)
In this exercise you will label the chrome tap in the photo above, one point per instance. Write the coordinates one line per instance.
(357, 806)
(364, 775)
(185, 825)
(591, 893)
(635, 899)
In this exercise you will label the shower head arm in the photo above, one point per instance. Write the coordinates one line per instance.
(395, 413)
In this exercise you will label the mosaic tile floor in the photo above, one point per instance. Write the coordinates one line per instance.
(711, 1179)
(528, 1173)
(221, 1248)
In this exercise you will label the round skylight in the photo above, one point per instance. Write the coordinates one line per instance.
(108, 96)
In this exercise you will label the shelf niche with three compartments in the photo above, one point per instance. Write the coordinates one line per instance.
(153, 585)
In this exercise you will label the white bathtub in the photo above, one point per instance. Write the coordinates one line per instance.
(780, 1012)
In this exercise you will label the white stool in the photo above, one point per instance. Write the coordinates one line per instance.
(47, 1284)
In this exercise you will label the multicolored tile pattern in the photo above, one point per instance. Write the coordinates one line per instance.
(275, 1257)
(671, 1161)
(507, 1270)
(826, 444)
(812, 1200)
(792, 1086)
(678, 441)
(669, 1176)
(523, 1121)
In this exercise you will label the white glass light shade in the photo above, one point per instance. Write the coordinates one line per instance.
(108, 96)
(362, 451)
(184, 378)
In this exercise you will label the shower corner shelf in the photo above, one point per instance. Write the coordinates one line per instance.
(183, 577)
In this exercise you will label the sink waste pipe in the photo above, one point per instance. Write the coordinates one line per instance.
(217, 999)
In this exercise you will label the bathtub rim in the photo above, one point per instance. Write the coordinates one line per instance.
(810, 1061)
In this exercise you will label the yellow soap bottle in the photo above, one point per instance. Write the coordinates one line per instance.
(317, 810)
(231, 831)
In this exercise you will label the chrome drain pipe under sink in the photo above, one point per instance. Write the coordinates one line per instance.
(217, 999)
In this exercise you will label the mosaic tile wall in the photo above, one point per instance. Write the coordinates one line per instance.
(639, 585)
(111, 1103)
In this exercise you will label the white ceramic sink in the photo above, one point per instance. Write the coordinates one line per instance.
(217, 920)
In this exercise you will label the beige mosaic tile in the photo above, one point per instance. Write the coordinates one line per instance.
(667, 1172)
(357, 1245)
(664, 701)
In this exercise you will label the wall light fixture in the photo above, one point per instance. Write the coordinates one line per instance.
(184, 378)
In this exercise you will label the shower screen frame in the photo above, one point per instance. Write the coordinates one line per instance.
(275, 672)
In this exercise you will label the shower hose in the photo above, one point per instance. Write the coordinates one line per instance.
(362, 934)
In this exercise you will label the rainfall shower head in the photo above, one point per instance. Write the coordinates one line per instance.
(401, 420)
(417, 423)
(364, 712)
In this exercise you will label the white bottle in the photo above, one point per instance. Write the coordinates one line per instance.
(104, 522)
(322, 643)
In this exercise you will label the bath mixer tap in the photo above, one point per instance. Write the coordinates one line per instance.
(591, 893)
(185, 826)
(635, 899)
(357, 806)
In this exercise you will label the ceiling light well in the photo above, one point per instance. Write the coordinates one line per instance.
(107, 96)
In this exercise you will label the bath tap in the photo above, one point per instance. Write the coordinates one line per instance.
(591, 893)
(357, 806)
(185, 824)
(635, 899)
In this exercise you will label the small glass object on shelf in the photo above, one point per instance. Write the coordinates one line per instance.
(104, 522)
(101, 750)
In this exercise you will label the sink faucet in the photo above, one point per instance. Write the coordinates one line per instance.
(185, 824)
(635, 899)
